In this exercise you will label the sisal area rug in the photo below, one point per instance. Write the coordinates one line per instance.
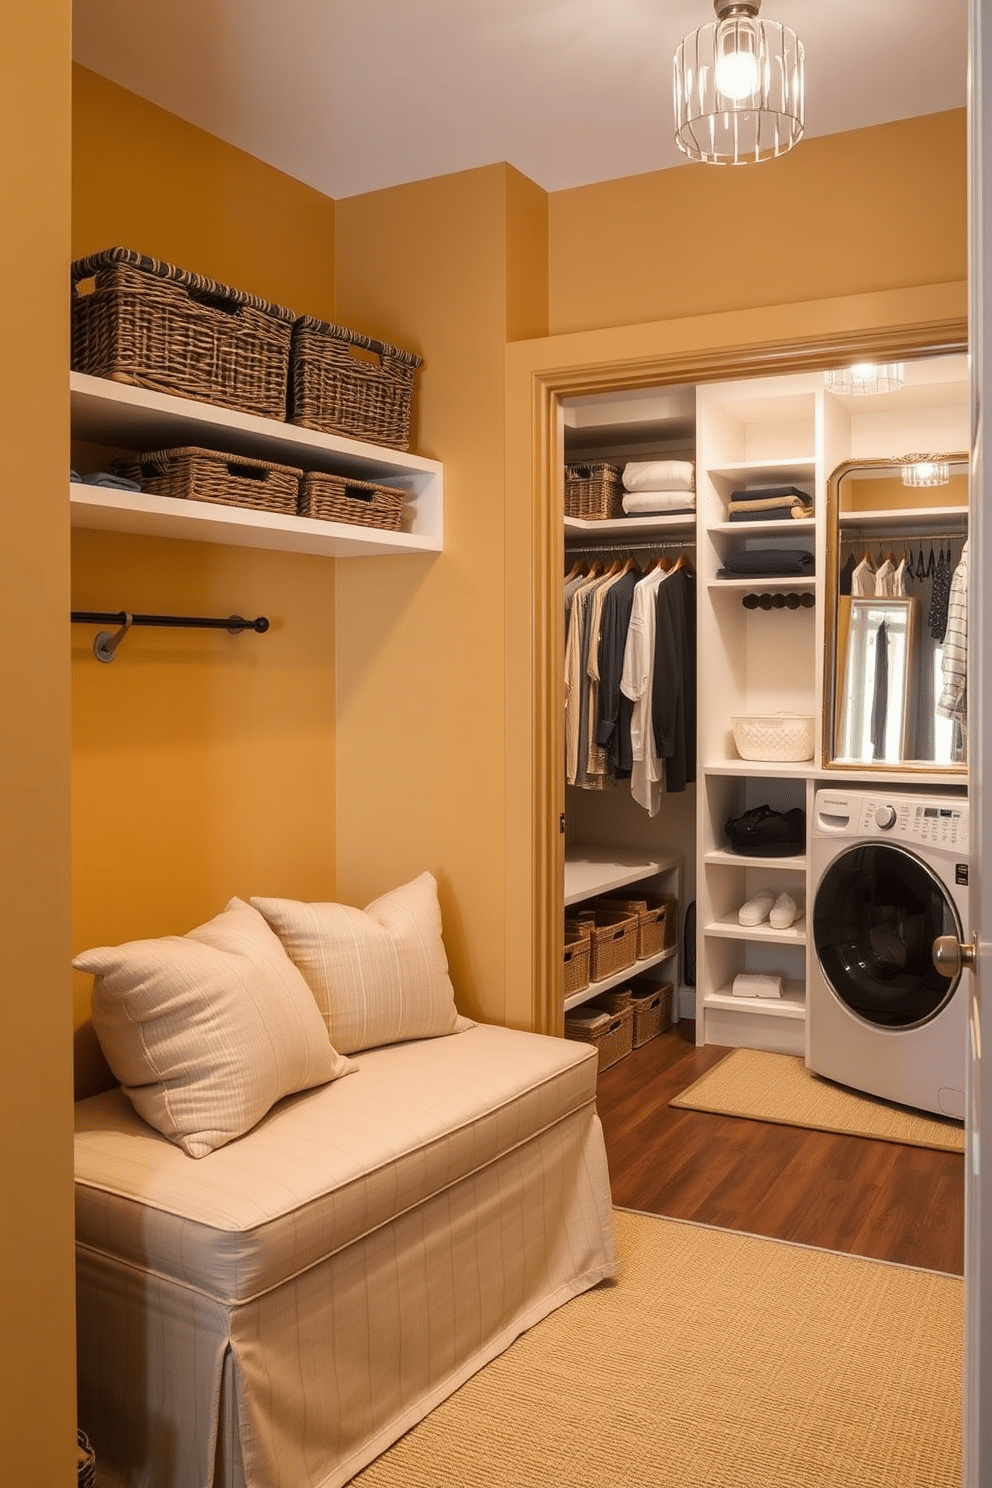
(779, 1088)
(715, 1360)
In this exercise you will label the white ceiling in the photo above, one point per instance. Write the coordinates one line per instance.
(354, 95)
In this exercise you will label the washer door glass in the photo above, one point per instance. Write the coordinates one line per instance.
(877, 913)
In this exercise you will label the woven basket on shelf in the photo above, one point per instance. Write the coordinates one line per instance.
(576, 960)
(210, 475)
(612, 1034)
(613, 943)
(653, 1004)
(613, 1001)
(141, 321)
(657, 921)
(332, 498)
(342, 382)
(593, 492)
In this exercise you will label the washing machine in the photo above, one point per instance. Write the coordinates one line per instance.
(889, 874)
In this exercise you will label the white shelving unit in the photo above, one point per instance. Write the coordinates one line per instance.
(591, 871)
(784, 430)
(117, 415)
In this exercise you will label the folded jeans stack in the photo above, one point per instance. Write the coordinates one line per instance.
(769, 504)
(657, 487)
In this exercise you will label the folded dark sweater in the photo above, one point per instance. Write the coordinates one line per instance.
(769, 563)
(766, 493)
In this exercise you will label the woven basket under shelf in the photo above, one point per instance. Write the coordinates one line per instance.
(613, 943)
(653, 1005)
(576, 961)
(144, 322)
(613, 1001)
(342, 382)
(210, 475)
(594, 492)
(332, 498)
(612, 1034)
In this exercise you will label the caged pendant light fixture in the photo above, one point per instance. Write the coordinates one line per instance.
(739, 87)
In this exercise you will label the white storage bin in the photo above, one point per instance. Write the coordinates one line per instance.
(774, 736)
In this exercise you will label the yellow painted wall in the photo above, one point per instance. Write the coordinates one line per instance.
(203, 764)
(870, 209)
(37, 1381)
(448, 268)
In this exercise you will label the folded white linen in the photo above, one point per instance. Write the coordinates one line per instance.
(646, 502)
(659, 475)
(754, 984)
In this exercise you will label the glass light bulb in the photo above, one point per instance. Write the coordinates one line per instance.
(736, 75)
(863, 371)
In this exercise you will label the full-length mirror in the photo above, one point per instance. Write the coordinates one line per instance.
(897, 573)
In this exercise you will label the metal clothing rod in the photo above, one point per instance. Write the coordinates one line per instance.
(105, 643)
(856, 535)
(631, 547)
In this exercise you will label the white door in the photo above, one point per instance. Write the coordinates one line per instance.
(978, 1200)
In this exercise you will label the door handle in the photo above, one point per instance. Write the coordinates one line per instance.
(951, 955)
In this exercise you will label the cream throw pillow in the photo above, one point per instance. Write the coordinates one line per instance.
(206, 1031)
(379, 974)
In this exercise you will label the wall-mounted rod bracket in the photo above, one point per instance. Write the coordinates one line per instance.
(105, 643)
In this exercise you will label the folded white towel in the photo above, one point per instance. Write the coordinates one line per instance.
(783, 912)
(646, 502)
(659, 475)
(754, 984)
(756, 910)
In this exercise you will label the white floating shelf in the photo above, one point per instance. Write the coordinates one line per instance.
(792, 470)
(124, 417)
(909, 519)
(646, 526)
(777, 769)
(758, 529)
(592, 870)
(575, 999)
(724, 858)
(794, 934)
(792, 1003)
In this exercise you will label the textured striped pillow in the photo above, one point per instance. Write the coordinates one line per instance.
(379, 974)
(206, 1031)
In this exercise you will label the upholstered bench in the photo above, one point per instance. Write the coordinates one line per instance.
(277, 1312)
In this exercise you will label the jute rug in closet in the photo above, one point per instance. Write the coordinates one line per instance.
(715, 1360)
(779, 1088)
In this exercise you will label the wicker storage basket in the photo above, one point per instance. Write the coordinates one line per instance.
(344, 383)
(612, 1034)
(576, 960)
(141, 321)
(209, 475)
(332, 498)
(654, 1008)
(593, 492)
(613, 943)
(657, 921)
(613, 1001)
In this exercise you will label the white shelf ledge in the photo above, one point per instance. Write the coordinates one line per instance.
(791, 470)
(575, 999)
(722, 857)
(792, 1003)
(909, 519)
(784, 769)
(593, 870)
(124, 417)
(759, 529)
(681, 525)
(794, 934)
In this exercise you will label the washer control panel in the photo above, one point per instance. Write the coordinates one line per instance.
(940, 822)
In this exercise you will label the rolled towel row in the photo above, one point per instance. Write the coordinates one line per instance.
(646, 503)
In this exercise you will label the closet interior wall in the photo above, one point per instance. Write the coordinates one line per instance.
(784, 430)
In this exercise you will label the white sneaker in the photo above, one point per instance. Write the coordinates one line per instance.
(755, 911)
(783, 912)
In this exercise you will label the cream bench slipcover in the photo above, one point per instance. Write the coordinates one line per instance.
(279, 1312)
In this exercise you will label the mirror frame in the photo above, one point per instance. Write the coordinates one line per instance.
(831, 598)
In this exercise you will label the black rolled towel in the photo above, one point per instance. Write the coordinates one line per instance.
(768, 563)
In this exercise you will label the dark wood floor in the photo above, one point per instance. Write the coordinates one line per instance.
(880, 1199)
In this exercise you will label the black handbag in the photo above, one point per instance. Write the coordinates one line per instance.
(764, 833)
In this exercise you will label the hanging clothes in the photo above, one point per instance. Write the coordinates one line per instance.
(614, 708)
(953, 700)
(673, 691)
(844, 577)
(863, 579)
(638, 668)
(880, 693)
(597, 768)
(885, 575)
(940, 596)
(577, 682)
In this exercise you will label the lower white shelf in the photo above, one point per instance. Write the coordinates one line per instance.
(792, 1003)
(794, 934)
(619, 977)
(598, 870)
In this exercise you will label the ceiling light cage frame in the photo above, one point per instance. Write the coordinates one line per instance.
(864, 379)
(925, 471)
(739, 87)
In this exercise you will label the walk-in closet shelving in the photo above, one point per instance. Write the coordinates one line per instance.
(115, 416)
(611, 842)
(787, 430)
